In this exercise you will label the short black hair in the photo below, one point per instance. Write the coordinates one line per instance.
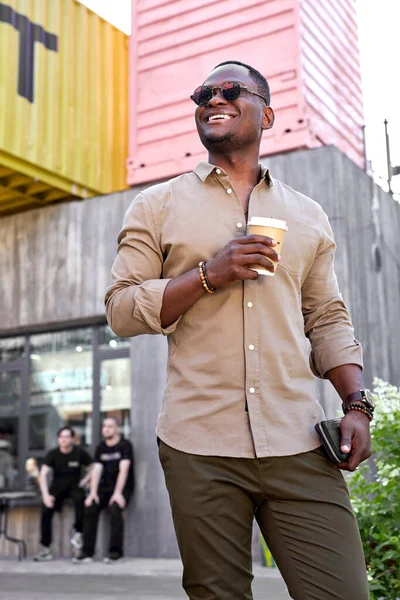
(112, 419)
(262, 83)
(66, 428)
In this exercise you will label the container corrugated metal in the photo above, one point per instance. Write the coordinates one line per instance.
(332, 75)
(174, 44)
(63, 97)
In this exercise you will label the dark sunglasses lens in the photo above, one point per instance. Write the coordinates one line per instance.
(202, 95)
(231, 91)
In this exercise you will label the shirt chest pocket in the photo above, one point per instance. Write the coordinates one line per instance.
(298, 248)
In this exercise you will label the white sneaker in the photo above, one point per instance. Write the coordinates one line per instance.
(113, 558)
(77, 540)
(44, 555)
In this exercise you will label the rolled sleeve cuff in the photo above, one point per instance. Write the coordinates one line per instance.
(148, 303)
(327, 356)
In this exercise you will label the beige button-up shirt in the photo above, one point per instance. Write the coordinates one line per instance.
(240, 379)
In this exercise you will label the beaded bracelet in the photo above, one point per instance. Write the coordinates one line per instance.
(204, 279)
(213, 289)
(360, 408)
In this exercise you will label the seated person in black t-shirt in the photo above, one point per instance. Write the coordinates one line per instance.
(111, 485)
(66, 462)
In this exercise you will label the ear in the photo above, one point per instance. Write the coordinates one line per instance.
(269, 118)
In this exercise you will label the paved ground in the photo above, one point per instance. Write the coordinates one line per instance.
(134, 579)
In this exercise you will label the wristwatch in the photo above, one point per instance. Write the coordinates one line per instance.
(363, 397)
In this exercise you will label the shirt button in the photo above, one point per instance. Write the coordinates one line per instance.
(250, 304)
(218, 171)
(252, 390)
(239, 225)
(229, 191)
(251, 347)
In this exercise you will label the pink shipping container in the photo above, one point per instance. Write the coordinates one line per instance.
(307, 49)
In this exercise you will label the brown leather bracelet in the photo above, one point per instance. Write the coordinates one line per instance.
(360, 408)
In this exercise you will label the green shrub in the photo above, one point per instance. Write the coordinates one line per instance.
(376, 497)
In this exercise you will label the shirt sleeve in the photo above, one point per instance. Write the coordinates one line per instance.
(134, 298)
(49, 459)
(86, 459)
(97, 455)
(127, 451)
(327, 322)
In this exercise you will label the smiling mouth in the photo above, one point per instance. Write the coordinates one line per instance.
(220, 117)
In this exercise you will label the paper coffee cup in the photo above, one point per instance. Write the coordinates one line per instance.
(273, 228)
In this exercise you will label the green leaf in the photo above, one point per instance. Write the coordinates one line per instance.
(376, 500)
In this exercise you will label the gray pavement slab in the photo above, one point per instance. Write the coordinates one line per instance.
(133, 579)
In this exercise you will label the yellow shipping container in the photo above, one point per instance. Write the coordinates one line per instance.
(63, 103)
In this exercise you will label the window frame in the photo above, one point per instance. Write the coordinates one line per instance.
(22, 365)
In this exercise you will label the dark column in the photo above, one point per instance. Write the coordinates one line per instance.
(150, 530)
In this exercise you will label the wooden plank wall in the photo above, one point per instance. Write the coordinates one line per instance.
(363, 217)
(24, 523)
(55, 261)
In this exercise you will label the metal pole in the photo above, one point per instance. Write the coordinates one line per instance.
(389, 162)
(365, 149)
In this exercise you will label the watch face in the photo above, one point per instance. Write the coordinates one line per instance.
(368, 398)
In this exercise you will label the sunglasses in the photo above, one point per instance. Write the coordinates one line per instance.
(230, 90)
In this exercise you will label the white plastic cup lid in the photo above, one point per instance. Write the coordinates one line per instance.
(268, 222)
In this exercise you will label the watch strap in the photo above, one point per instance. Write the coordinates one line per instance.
(355, 397)
(361, 398)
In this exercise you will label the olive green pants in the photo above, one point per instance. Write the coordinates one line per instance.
(302, 506)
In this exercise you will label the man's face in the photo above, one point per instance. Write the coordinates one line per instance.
(248, 115)
(65, 439)
(109, 429)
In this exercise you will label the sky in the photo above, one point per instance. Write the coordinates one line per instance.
(379, 55)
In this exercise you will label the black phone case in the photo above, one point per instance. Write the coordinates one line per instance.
(329, 433)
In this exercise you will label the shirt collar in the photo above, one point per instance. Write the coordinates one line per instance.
(204, 169)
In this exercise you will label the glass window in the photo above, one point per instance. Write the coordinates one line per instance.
(10, 395)
(61, 386)
(11, 349)
(115, 385)
(108, 339)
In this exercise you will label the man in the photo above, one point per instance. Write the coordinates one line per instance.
(66, 462)
(236, 427)
(111, 485)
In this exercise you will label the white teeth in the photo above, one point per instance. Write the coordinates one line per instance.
(215, 117)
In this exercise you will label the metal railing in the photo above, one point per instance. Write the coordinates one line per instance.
(382, 155)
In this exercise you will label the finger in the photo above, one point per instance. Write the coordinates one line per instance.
(243, 273)
(260, 249)
(346, 437)
(344, 466)
(355, 459)
(354, 463)
(258, 259)
(260, 239)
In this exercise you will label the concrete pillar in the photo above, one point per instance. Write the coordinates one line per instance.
(150, 529)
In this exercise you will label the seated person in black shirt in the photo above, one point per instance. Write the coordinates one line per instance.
(66, 461)
(111, 485)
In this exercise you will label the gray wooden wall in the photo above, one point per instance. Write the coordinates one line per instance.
(365, 221)
(55, 264)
